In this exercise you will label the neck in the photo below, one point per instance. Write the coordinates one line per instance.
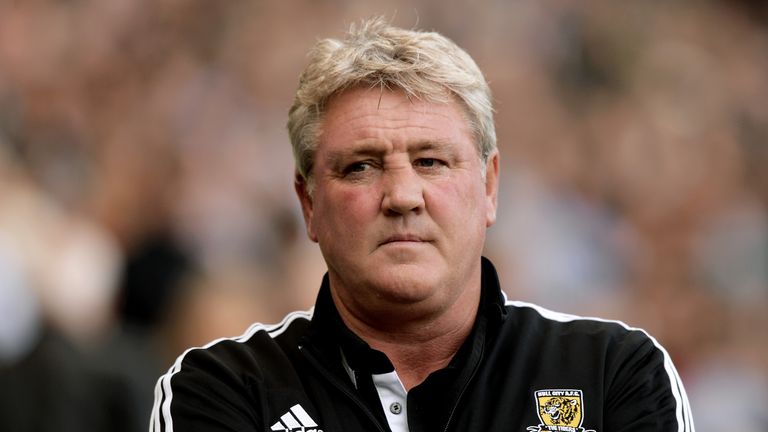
(417, 346)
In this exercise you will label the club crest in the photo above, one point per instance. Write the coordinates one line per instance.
(559, 410)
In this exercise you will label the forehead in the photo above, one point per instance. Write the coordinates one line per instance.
(390, 116)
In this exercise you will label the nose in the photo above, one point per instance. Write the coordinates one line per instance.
(403, 193)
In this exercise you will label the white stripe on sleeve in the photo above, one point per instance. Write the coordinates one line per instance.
(164, 391)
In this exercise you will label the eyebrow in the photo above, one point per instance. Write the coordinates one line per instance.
(376, 149)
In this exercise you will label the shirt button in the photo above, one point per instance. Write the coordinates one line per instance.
(396, 408)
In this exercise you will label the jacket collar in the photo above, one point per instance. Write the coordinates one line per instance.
(329, 335)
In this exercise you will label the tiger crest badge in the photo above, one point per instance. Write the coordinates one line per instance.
(559, 410)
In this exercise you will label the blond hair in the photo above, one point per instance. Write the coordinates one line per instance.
(422, 64)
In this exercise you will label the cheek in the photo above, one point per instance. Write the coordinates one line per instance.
(455, 202)
(346, 210)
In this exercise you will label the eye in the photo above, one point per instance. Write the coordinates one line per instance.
(428, 163)
(357, 168)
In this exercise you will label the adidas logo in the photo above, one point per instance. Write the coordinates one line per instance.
(296, 420)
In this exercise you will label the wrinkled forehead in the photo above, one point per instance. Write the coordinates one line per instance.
(393, 104)
(363, 113)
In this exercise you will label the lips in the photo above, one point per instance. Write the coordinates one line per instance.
(405, 238)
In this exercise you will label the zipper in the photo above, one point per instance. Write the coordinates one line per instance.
(458, 400)
(466, 385)
(341, 387)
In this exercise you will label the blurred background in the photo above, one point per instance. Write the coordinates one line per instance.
(146, 200)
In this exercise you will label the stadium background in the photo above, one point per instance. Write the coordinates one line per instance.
(146, 200)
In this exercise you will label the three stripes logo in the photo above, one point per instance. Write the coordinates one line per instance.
(296, 420)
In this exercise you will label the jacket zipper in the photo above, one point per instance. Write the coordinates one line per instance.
(464, 388)
(339, 385)
(458, 400)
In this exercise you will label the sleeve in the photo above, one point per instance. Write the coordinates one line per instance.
(200, 393)
(645, 392)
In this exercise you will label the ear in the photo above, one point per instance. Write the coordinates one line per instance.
(491, 188)
(305, 198)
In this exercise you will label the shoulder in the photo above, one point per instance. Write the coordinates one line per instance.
(556, 331)
(258, 340)
(540, 320)
(627, 359)
(227, 368)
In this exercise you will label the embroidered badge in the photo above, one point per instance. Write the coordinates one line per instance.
(559, 410)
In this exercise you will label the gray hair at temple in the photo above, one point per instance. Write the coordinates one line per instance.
(425, 65)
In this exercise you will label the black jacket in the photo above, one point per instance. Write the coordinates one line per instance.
(523, 368)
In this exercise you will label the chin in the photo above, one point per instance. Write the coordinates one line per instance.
(405, 286)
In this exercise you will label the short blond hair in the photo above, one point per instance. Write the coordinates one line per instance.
(375, 54)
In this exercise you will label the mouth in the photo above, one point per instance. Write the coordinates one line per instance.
(403, 238)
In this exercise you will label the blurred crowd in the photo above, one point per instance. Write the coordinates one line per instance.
(146, 197)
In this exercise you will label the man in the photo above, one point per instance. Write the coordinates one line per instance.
(397, 175)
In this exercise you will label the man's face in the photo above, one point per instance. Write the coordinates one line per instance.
(400, 204)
